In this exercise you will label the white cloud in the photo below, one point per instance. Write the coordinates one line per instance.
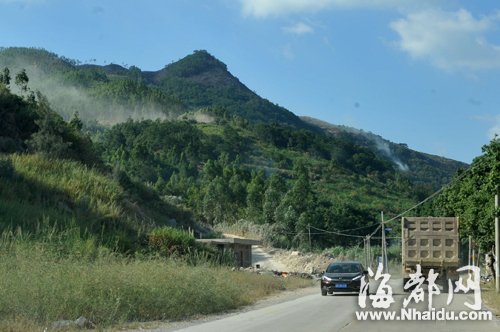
(265, 8)
(495, 130)
(492, 121)
(299, 28)
(449, 40)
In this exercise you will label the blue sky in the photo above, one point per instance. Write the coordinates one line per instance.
(421, 72)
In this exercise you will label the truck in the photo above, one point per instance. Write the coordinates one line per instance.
(432, 242)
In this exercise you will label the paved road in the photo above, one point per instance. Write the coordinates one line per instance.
(336, 313)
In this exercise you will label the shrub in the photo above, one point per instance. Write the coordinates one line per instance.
(6, 168)
(168, 241)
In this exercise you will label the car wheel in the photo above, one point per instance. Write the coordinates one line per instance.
(323, 292)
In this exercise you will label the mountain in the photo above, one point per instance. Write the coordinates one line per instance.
(105, 94)
(421, 168)
(112, 94)
(199, 139)
(201, 80)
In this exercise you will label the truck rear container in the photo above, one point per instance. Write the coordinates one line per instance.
(432, 242)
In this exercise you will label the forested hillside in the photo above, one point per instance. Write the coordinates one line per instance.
(194, 135)
(52, 179)
(269, 174)
(201, 80)
(112, 94)
(427, 172)
(106, 95)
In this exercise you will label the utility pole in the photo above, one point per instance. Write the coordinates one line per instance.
(369, 251)
(384, 256)
(473, 256)
(497, 245)
(365, 249)
(309, 228)
(470, 250)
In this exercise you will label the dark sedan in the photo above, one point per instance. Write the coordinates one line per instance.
(343, 277)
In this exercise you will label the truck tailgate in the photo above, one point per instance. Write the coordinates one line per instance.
(430, 241)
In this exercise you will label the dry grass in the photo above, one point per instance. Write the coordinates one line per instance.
(39, 288)
(490, 297)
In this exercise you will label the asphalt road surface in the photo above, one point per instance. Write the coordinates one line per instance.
(337, 313)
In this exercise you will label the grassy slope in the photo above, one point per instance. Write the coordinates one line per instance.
(67, 194)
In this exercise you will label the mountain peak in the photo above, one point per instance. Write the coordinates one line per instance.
(198, 65)
(201, 59)
(201, 80)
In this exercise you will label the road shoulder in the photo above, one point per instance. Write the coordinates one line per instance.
(167, 326)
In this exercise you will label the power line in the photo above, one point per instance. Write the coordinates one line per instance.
(341, 233)
(355, 229)
(337, 233)
(425, 200)
(413, 207)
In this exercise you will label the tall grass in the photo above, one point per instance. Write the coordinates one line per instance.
(43, 281)
(34, 189)
(64, 181)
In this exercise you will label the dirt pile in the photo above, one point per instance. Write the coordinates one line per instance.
(294, 261)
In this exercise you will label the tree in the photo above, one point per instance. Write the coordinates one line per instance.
(75, 122)
(48, 140)
(22, 80)
(471, 197)
(215, 202)
(301, 195)
(276, 188)
(255, 197)
(5, 76)
(238, 191)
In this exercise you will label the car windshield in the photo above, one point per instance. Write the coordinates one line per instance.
(343, 268)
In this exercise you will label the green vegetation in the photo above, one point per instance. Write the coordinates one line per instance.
(39, 192)
(65, 184)
(94, 218)
(201, 81)
(199, 161)
(41, 286)
(471, 197)
(490, 297)
(268, 174)
(81, 239)
(111, 94)
(426, 172)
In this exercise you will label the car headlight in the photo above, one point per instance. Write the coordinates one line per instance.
(325, 278)
(357, 277)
